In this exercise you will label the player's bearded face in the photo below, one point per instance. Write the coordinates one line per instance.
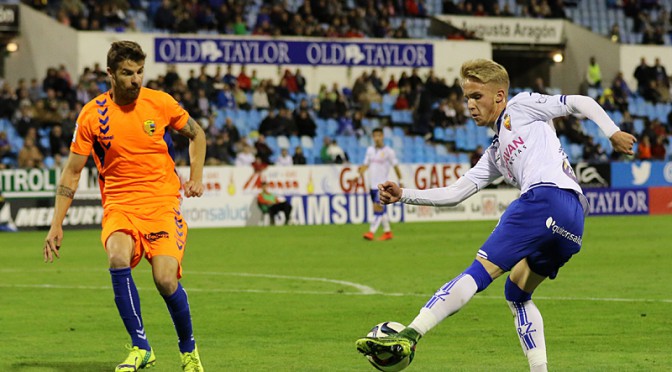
(127, 81)
(481, 101)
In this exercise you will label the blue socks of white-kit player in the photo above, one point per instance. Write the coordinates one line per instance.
(450, 298)
(529, 325)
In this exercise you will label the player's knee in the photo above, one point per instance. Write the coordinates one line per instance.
(166, 284)
(480, 275)
(513, 293)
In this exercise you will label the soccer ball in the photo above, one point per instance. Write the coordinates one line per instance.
(385, 361)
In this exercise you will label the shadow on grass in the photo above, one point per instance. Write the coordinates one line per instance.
(63, 366)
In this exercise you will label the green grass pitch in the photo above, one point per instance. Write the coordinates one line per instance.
(295, 298)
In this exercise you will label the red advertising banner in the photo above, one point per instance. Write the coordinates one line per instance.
(660, 200)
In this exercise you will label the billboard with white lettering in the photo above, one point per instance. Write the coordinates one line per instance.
(292, 52)
(509, 30)
(618, 201)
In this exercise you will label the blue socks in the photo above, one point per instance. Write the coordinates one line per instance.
(128, 303)
(178, 306)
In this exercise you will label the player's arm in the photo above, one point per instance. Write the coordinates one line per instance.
(193, 131)
(621, 141)
(65, 192)
(449, 196)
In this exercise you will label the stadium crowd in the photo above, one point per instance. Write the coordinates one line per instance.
(649, 20)
(43, 114)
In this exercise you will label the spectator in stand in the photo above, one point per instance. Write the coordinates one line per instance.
(627, 125)
(402, 102)
(621, 91)
(284, 159)
(659, 74)
(299, 158)
(30, 156)
(652, 93)
(286, 123)
(305, 124)
(594, 74)
(164, 18)
(300, 81)
(476, 155)
(643, 75)
(392, 86)
(539, 86)
(232, 130)
(337, 154)
(225, 98)
(245, 157)
(228, 79)
(607, 100)
(659, 148)
(240, 97)
(5, 148)
(269, 125)
(644, 148)
(244, 81)
(264, 152)
(220, 150)
(259, 165)
(260, 97)
(59, 143)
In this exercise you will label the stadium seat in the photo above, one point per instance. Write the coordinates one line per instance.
(307, 142)
(283, 142)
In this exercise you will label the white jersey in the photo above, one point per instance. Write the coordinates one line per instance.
(526, 149)
(379, 161)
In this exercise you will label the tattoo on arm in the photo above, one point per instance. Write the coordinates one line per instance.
(190, 129)
(65, 191)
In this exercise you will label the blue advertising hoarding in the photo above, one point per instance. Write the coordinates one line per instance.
(641, 174)
(618, 201)
(289, 52)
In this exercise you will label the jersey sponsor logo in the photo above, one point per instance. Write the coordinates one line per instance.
(515, 148)
(569, 171)
(149, 126)
(507, 122)
(154, 236)
(564, 233)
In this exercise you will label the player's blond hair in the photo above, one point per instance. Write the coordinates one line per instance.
(485, 71)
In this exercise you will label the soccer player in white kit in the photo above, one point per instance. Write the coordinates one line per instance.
(379, 159)
(537, 234)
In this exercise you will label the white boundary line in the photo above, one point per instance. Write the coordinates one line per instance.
(362, 290)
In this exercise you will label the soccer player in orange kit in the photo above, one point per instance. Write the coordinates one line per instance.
(127, 130)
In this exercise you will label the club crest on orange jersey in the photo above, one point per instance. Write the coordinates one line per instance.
(150, 127)
(507, 121)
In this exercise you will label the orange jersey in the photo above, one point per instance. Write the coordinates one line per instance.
(132, 147)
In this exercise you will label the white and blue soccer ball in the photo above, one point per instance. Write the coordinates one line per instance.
(385, 361)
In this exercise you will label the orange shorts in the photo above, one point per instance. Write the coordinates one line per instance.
(156, 231)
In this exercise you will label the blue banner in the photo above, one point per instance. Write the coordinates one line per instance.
(618, 201)
(641, 174)
(288, 52)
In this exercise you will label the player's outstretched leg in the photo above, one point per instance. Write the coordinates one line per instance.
(137, 359)
(178, 306)
(128, 303)
(529, 326)
(446, 301)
